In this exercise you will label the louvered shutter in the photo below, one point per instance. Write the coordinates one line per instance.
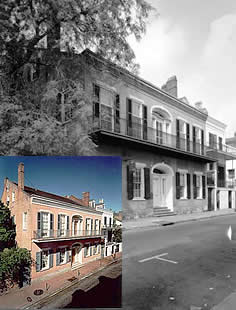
(129, 116)
(130, 183)
(144, 122)
(51, 224)
(39, 221)
(147, 182)
(117, 113)
(188, 186)
(177, 185)
(38, 261)
(194, 139)
(202, 142)
(91, 249)
(188, 136)
(203, 187)
(67, 225)
(58, 257)
(85, 251)
(194, 186)
(177, 134)
(50, 258)
(58, 225)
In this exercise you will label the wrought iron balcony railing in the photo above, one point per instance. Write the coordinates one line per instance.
(226, 184)
(141, 132)
(60, 234)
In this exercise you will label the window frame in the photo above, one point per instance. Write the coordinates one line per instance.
(139, 166)
(183, 188)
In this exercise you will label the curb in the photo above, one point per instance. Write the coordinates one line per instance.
(32, 305)
(161, 222)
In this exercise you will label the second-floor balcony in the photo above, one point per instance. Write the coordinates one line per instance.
(226, 184)
(45, 234)
(221, 151)
(140, 132)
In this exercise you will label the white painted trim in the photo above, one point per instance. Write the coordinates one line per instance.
(182, 119)
(136, 99)
(198, 173)
(161, 164)
(198, 126)
(140, 165)
(162, 108)
(105, 86)
(182, 170)
(61, 205)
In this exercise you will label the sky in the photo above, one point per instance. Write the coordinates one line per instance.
(101, 176)
(196, 41)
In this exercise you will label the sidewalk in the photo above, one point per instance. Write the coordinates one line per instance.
(152, 222)
(17, 298)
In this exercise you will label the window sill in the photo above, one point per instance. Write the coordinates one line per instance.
(45, 268)
(138, 199)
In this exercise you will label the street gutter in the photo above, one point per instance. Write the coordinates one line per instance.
(160, 223)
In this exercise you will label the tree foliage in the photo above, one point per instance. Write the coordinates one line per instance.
(7, 228)
(33, 34)
(117, 234)
(14, 262)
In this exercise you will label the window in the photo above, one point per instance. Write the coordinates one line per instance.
(137, 183)
(197, 184)
(45, 223)
(220, 144)
(183, 187)
(62, 256)
(13, 196)
(95, 249)
(87, 250)
(63, 224)
(212, 140)
(105, 220)
(45, 259)
(110, 222)
(182, 135)
(231, 173)
(25, 221)
(8, 200)
(134, 118)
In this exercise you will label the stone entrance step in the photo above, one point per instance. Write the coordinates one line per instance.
(162, 211)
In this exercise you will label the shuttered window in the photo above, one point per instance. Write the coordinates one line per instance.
(147, 183)
(203, 187)
(188, 186)
(129, 183)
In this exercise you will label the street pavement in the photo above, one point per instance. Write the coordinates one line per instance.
(188, 265)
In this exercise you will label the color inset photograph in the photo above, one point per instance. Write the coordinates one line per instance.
(60, 232)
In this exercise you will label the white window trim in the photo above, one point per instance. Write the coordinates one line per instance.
(48, 213)
(47, 267)
(199, 174)
(60, 248)
(141, 166)
(184, 172)
(140, 101)
(88, 248)
(24, 221)
(13, 196)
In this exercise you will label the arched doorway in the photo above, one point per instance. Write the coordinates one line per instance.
(76, 254)
(162, 175)
(161, 124)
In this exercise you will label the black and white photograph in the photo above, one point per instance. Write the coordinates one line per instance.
(150, 83)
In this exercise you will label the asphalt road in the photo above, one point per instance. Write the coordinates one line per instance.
(195, 266)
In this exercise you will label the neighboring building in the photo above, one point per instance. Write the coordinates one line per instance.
(117, 222)
(221, 189)
(61, 234)
(110, 247)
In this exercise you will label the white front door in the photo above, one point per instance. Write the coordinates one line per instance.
(160, 190)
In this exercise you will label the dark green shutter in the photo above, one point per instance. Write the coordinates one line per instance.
(85, 251)
(130, 183)
(203, 187)
(68, 223)
(38, 261)
(51, 224)
(177, 134)
(90, 250)
(144, 122)
(58, 221)
(129, 116)
(194, 139)
(202, 142)
(58, 257)
(194, 186)
(39, 225)
(188, 136)
(147, 183)
(177, 185)
(188, 186)
(50, 258)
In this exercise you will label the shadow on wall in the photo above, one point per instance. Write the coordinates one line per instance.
(107, 294)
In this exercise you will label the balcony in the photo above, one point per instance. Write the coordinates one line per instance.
(137, 132)
(226, 184)
(46, 235)
(221, 151)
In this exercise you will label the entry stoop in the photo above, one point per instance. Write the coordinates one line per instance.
(162, 211)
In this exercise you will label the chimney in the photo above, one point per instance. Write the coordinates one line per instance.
(86, 198)
(171, 86)
(21, 176)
